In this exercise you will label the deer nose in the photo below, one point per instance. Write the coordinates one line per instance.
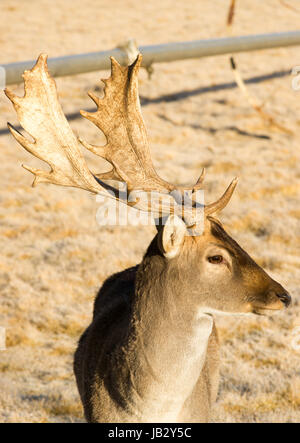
(285, 298)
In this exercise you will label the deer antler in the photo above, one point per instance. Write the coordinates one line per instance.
(119, 117)
(41, 116)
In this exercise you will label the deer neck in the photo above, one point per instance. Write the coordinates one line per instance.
(167, 343)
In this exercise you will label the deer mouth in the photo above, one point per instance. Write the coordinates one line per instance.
(281, 302)
(266, 311)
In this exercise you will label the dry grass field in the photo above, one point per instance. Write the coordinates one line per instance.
(54, 255)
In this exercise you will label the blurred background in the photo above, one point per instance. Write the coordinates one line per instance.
(53, 254)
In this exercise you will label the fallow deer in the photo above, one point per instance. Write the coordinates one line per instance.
(150, 353)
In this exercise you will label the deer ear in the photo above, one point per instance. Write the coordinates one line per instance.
(172, 236)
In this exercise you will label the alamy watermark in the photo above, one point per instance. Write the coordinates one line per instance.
(151, 208)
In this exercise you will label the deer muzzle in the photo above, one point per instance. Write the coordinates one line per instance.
(276, 299)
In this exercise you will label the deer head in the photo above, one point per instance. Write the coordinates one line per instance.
(213, 272)
(212, 261)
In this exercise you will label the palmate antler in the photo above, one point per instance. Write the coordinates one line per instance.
(119, 117)
(41, 116)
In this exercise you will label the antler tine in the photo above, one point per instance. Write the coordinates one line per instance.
(40, 114)
(220, 204)
(199, 182)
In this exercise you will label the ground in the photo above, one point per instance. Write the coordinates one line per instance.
(54, 255)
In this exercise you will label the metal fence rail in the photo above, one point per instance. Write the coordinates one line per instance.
(96, 61)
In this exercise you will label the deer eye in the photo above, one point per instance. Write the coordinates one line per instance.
(215, 259)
